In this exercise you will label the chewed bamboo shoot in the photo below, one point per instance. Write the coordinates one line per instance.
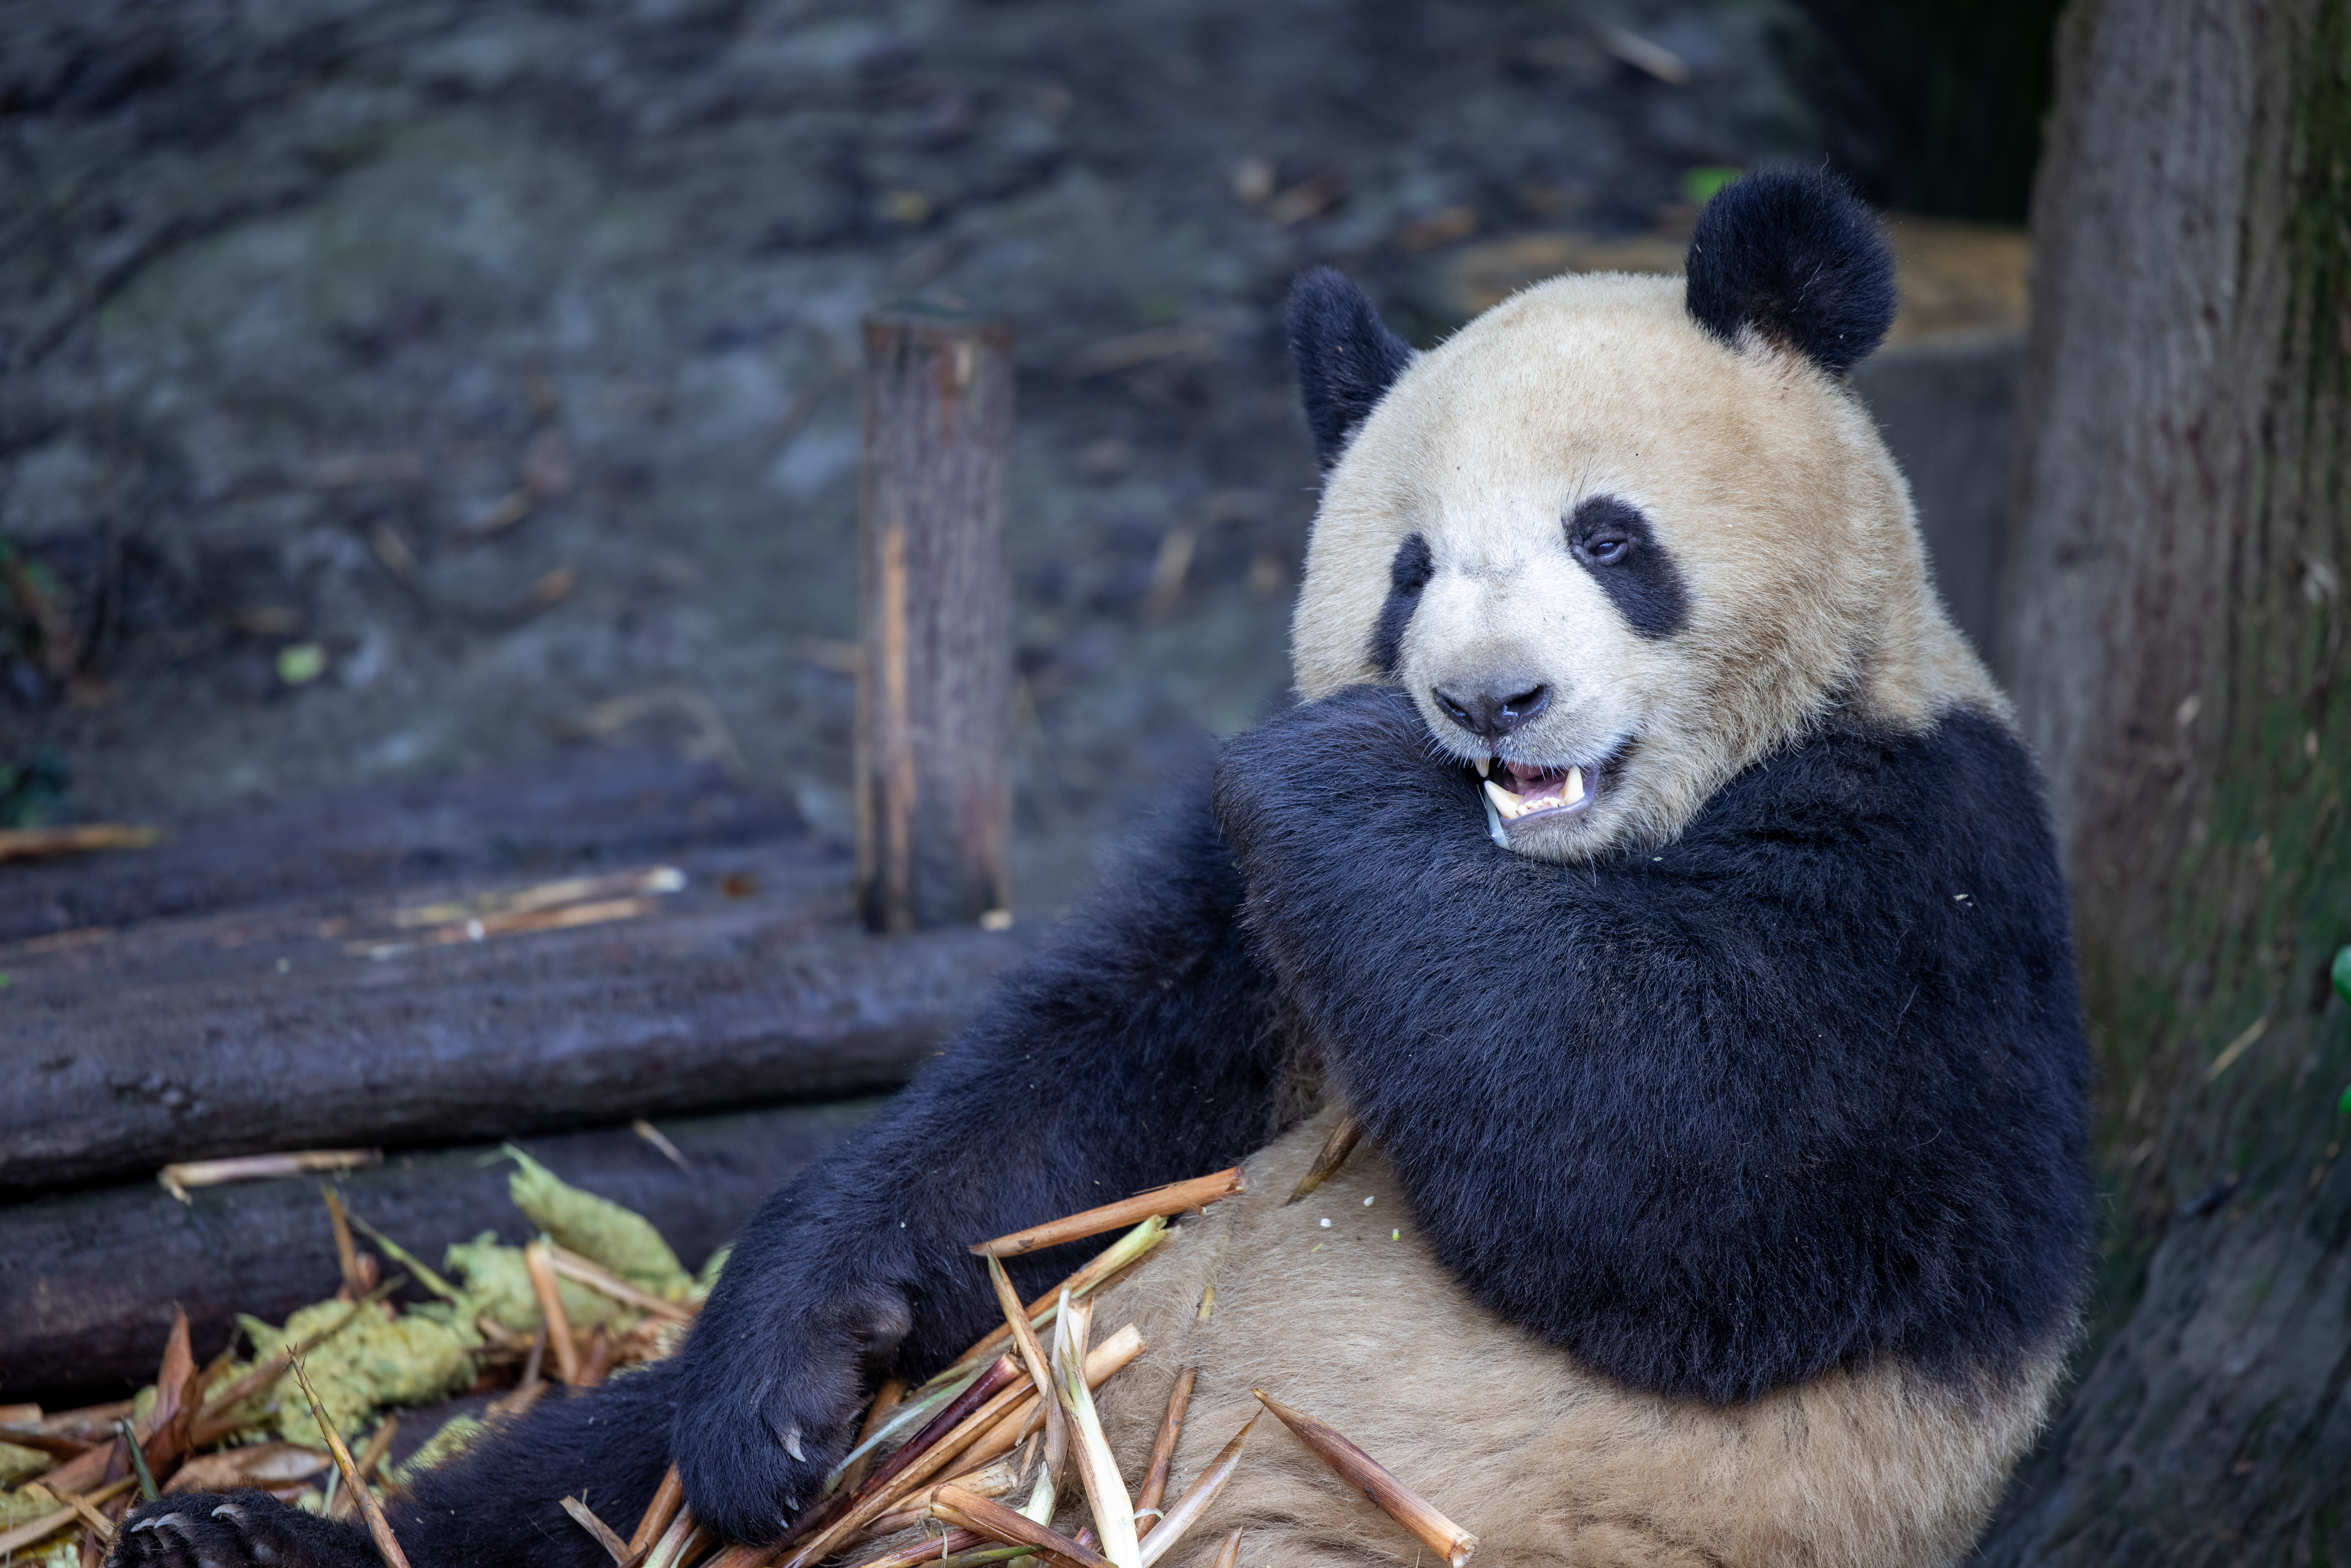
(1153, 1489)
(1106, 1493)
(993, 1519)
(1186, 1509)
(1041, 1497)
(1328, 1158)
(1123, 1253)
(387, 1545)
(1160, 1201)
(1400, 1503)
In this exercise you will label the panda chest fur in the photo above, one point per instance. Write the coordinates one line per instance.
(1338, 1306)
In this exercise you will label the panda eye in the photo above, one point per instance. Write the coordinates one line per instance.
(1607, 549)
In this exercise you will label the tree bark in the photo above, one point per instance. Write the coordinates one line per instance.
(2174, 633)
(934, 700)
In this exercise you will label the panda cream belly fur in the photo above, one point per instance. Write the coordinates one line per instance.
(1652, 869)
(1544, 1460)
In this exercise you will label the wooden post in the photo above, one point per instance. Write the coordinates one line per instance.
(935, 708)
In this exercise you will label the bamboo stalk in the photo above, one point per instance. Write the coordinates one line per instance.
(921, 1456)
(986, 1393)
(1024, 1420)
(86, 1468)
(667, 1498)
(886, 1399)
(26, 844)
(677, 1543)
(741, 1556)
(49, 1524)
(1359, 1470)
(402, 1256)
(1153, 1489)
(1187, 1508)
(1229, 1553)
(835, 1524)
(378, 1444)
(98, 1524)
(387, 1545)
(985, 1516)
(551, 1313)
(596, 1361)
(138, 1456)
(1127, 1251)
(177, 1179)
(55, 1445)
(1102, 1361)
(1160, 1201)
(922, 1551)
(347, 1252)
(918, 1408)
(988, 1478)
(585, 1518)
(1107, 1492)
(985, 1558)
(1328, 1158)
(1041, 1374)
(596, 1277)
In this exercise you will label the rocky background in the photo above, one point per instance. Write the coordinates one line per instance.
(396, 387)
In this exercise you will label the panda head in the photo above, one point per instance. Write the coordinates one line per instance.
(1622, 537)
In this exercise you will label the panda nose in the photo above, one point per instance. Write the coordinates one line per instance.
(1490, 715)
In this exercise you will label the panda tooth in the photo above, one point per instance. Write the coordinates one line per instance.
(1574, 790)
(1484, 766)
(1504, 801)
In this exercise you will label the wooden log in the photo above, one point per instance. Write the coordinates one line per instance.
(86, 1297)
(249, 1016)
(464, 1043)
(934, 712)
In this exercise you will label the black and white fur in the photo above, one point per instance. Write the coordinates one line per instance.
(1729, 1120)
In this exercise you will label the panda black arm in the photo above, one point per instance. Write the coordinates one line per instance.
(1806, 1086)
(1143, 1046)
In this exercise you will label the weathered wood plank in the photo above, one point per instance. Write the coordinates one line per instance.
(252, 1015)
(91, 1276)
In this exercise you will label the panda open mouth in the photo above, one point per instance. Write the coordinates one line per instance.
(1517, 790)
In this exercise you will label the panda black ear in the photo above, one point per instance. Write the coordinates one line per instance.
(1794, 253)
(1346, 357)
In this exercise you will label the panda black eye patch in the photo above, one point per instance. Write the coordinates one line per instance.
(1613, 541)
(1408, 573)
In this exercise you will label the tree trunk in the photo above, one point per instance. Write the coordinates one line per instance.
(2173, 629)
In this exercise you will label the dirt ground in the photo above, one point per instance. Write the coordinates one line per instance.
(406, 385)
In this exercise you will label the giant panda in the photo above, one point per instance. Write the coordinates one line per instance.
(1655, 874)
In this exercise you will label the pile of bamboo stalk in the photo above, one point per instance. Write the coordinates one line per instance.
(206, 1428)
(1014, 1414)
(1011, 1418)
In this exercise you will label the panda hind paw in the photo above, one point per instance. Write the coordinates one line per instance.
(233, 1529)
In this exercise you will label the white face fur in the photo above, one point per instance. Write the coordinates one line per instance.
(1763, 483)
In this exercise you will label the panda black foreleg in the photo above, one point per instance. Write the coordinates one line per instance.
(1145, 1044)
(1787, 1092)
(499, 1501)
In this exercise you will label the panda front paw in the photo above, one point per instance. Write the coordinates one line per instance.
(233, 1529)
(754, 1443)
